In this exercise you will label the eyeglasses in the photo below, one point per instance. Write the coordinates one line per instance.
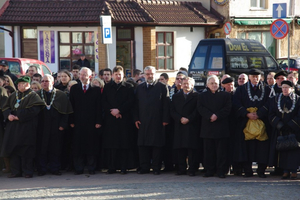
(45, 81)
(179, 79)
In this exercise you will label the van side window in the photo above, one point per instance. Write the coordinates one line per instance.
(256, 62)
(198, 61)
(270, 63)
(216, 57)
(14, 67)
(45, 70)
(238, 62)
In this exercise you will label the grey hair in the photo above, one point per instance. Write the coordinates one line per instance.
(89, 71)
(213, 77)
(49, 76)
(190, 79)
(150, 68)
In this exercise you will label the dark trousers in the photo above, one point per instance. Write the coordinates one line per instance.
(20, 164)
(145, 155)
(182, 154)
(79, 161)
(261, 168)
(113, 155)
(51, 160)
(215, 155)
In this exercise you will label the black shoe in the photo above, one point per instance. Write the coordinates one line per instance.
(181, 173)
(221, 176)
(285, 176)
(192, 174)
(78, 172)
(111, 171)
(276, 173)
(57, 173)
(28, 176)
(247, 175)
(14, 175)
(41, 173)
(261, 175)
(206, 175)
(156, 172)
(123, 171)
(143, 171)
(92, 172)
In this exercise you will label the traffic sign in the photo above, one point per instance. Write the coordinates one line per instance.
(279, 29)
(279, 10)
(105, 22)
(227, 28)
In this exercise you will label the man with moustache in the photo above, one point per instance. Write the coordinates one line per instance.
(279, 77)
(21, 113)
(151, 117)
(242, 79)
(53, 120)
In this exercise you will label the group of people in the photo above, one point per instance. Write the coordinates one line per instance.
(78, 121)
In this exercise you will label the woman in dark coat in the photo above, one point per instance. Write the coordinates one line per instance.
(284, 117)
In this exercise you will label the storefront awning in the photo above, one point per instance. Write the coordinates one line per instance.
(257, 22)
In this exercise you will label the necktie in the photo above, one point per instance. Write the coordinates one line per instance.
(254, 88)
(84, 88)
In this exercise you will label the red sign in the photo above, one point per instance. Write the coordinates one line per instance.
(227, 28)
(279, 29)
(213, 73)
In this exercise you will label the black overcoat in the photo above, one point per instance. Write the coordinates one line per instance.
(152, 109)
(251, 150)
(218, 103)
(185, 135)
(87, 113)
(286, 159)
(118, 133)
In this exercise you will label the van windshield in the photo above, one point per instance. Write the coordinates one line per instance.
(198, 61)
(14, 67)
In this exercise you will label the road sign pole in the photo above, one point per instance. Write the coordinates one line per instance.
(289, 49)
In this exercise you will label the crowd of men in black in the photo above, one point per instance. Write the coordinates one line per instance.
(143, 123)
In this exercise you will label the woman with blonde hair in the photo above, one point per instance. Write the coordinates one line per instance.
(9, 82)
(35, 86)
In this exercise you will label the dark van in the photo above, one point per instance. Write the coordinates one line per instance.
(229, 56)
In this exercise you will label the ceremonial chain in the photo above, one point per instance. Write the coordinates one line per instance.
(48, 106)
(255, 98)
(285, 109)
(19, 100)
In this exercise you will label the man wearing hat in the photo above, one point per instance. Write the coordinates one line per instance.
(279, 77)
(83, 62)
(21, 113)
(252, 94)
(4, 67)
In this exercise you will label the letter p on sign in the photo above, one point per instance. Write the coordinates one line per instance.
(107, 33)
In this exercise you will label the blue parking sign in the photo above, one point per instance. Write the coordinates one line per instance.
(107, 33)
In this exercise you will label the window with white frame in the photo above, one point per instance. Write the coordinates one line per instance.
(164, 50)
(258, 4)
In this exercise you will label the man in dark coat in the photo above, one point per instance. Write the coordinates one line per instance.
(5, 68)
(118, 135)
(151, 117)
(214, 106)
(83, 62)
(252, 94)
(279, 77)
(186, 129)
(53, 120)
(86, 120)
(19, 144)
(293, 77)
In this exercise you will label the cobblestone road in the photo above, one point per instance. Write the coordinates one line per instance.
(148, 186)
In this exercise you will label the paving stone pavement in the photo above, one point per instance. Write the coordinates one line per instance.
(147, 186)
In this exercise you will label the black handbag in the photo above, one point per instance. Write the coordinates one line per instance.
(287, 142)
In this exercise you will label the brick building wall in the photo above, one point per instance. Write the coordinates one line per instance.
(102, 61)
(149, 46)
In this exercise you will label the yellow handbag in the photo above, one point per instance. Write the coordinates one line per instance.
(255, 129)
